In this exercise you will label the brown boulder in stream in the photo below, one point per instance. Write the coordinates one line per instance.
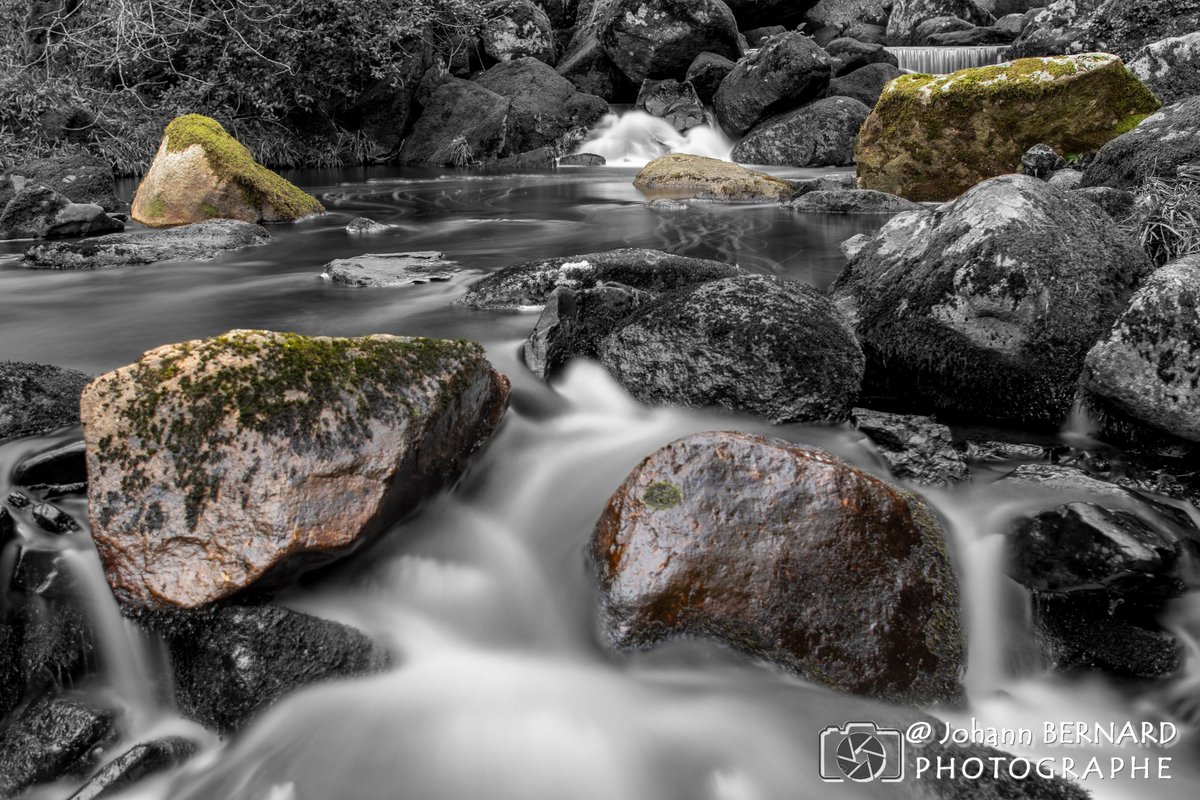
(225, 463)
(788, 554)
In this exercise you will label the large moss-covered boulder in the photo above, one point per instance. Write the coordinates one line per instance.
(987, 306)
(221, 464)
(933, 137)
(788, 554)
(682, 173)
(202, 173)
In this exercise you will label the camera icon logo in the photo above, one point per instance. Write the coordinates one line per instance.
(862, 752)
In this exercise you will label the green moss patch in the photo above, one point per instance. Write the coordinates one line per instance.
(230, 160)
(662, 495)
(721, 179)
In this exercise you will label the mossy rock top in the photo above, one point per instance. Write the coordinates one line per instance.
(201, 172)
(682, 173)
(932, 137)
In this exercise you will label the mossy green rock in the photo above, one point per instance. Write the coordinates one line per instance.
(202, 173)
(933, 137)
(682, 174)
(788, 554)
(221, 464)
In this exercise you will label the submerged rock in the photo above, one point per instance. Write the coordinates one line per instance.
(390, 269)
(718, 180)
(52, 737)
(852, 201)
(530, 283)
(934, 137)
(820, 134)
(1170, 67)
(274, 450)
(790, 70)
(38, 212)
(760, 544)
(907, 15)
(517, 29)
(81, 177)
(35, 398)
(231, 662)
(136, 763)
(673, 101)
(201, 172)
(1144, 378)
(1155, 148)
(755, 343)
(987, 306)
(198, 242)
(659, 38)
(366, 225)
(915, 448)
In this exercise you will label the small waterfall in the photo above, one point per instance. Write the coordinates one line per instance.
(633, 138)
(944, 60)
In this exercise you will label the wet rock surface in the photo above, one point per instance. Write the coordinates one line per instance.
(529, 284)
(914, 448)
(199, 242)
(390, 269)
(674, 101)
(907, 15)
(752, 542)
(788, 71)
(463, 120)
(821, 134)
(966, 306)
(35, 398)
(136, 763)
(313, 445)
(81, 177)
(758, 344)
(62, 465)
(53, 737)
(573, 323)
(1171, 67)
(38, 212)
(852, 201)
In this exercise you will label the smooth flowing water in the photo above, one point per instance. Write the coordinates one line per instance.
(502, 685)
(944, 60)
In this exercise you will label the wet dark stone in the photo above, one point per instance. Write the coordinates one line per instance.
(43, 572)
(573, 323)
(852, 201)
(706, 72)
(51, 518)
(673, 101)
(35, 398)
(18, 499)
(80, 177)
(915, 448)
(1041, 161)
(44, 642)
(785, 74)
(137, 762)
(66, 464)
(864, 84)
(8, 526)
(53, 737)
(756, 37)
(852, 54)
(229, 663)
(1081, 632)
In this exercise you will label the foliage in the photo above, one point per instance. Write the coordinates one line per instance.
(1166, 218)
(461, 153)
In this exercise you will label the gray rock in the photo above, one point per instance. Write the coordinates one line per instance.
(867, 33)
(80, 177)
(203, 240)
(1056, 29)
(528, 284)
(364, 225)
(136, 763)
(1170, 67)
(865, 84)
(1066, 179)
(825, 183)
(788, 72)
(844, 14)
(585, 63)
(582, 160)
(914, 448)
(461, 118)
(1110, 26)
(756, 37)
(673, 101)
(1117, 203)
(390, 269)
(852, 246)
(756, 344)
(35, 398)
(38, 212)
(938, 26)
(907, 15)
(972, 37)
(517, 29)
(660, 38)
(852, 201)
(853, 54)
(52, 737)
(1041, 161)
(821, 134)
(1011, 24)
(988, 304)
(53, 519)
(1144, 377)
(277, 651)
(706, 72)
(573, 322)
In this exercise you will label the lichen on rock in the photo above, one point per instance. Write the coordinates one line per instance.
(683, 173)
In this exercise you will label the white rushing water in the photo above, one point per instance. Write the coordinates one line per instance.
(633, 138)
(944, 60)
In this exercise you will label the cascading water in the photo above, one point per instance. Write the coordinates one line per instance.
(633, 138)
(944, 60)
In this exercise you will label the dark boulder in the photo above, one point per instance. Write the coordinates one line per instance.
(517, 29)
(907, 15)
(939, 26)
(52, 519)
(585, 63)
(198, 242)
(390, 269)
(660, 38)
(844, 15)
(1041, 161)
(756, 37)
(914, 448)
(852, 201)
(1155, 148)
(530, 283)
(988, 305)
(1080, 632)
(972, 37)
(759, 543)
(851, 54)
(1170, 67)
(35, 398)
(787, 72)
(52, 737)
(1110, 26)
(562, 13)
(757, 344)
(753, 13)
(706, 72)
(44, 636)
(573, 323)
(673, 101)
(1143, 378)
(80, 177)
(825, 183)
(136, 763)
(546, 110)
(66, 464)
(1117, 203)
(38, 212)
(820, 134)
(463, 120)
(864, 84)
(229, 663)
